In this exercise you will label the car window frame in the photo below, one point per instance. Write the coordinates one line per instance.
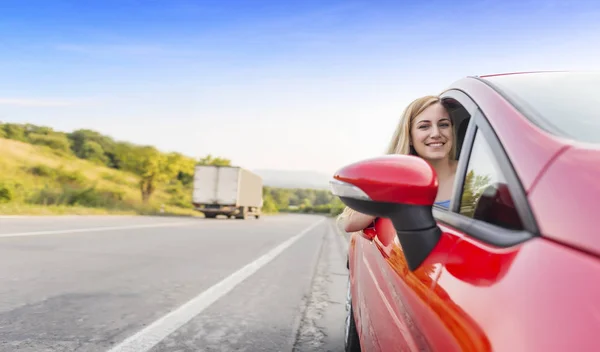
(469, 105)
(479, 229)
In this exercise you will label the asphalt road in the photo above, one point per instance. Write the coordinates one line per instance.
(119, 284)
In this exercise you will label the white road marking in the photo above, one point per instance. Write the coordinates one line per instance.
(154, 333)
(68, 217)
(92, 229)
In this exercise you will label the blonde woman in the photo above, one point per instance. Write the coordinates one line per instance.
(425, 130)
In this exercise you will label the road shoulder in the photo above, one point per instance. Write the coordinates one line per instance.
(322, 324)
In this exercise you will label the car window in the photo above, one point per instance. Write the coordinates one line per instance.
(485, 194)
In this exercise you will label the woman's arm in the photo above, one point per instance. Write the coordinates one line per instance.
(357, 222)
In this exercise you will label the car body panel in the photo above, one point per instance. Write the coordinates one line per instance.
(520, 299)
(394, 302)
(575, 174)
(514, 131)
(362, 288)
(406, 292)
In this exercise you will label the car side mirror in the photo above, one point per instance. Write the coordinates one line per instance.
(402, 188)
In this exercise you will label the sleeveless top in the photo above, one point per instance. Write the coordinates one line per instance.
(444, 203)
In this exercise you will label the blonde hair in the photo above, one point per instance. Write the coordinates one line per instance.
(400, 143)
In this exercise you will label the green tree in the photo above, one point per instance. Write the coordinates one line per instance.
(306, 203)
(93, 151)
(123, 157)
(269, 205)
(337, 206)
(153, 168)
(281, 197)
(322, 197)
(217, 161)
(80, 140)
(181, 167)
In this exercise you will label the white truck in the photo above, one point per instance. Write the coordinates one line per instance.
(227, 190)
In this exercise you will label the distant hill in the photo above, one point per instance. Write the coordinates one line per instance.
(294, 179)
(36, 179)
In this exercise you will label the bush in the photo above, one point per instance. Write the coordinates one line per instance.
(42, 170)
(46, 196)
(14, 131)
(118, 179)
(60, 175)
(175, 187)
(72, 196)
(6, 193)
(180, 196)
(54, 141)
(71, 177)
(181, 202)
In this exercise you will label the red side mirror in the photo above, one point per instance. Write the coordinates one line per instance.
(399, 179)
(402, 188)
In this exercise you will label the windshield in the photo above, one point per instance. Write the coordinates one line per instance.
(562, 103)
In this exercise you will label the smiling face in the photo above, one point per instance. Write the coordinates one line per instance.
(432, 133)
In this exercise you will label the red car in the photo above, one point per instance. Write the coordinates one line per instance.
(514, 263)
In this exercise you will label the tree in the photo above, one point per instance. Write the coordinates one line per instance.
(217, 161)
(269, 205)
(93, 151)
(181, 167)
(80, 140)
(153, 168)
(322, 197)
(123, 156)
(306, 203)
(281, 197)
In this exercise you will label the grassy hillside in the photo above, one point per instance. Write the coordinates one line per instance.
(37, 179)
(43, 171)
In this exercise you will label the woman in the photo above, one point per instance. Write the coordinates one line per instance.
(425, 130)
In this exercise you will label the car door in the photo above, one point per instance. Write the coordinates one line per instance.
(487, 222)
(395, 299)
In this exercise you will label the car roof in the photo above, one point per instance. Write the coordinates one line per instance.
(514, 73)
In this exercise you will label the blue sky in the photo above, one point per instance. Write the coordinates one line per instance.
(310, 85)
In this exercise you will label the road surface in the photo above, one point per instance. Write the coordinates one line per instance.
(88, 283)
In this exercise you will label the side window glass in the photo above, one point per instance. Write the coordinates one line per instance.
(485, 194)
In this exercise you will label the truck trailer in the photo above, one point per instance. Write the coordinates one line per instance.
(227, 190)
